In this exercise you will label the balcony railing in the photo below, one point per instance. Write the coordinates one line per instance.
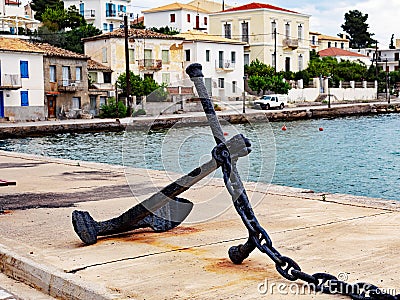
(10, 82)
(290, 43)
(91, 13)
(224, 65)
(150, 64)
(111, 13)
(67, 85)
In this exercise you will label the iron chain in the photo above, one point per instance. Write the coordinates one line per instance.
(287, 267)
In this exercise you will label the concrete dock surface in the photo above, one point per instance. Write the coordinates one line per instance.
(354, 238)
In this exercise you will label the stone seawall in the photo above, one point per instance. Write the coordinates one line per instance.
(144, 123)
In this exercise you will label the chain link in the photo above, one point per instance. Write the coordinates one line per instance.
(287, 267)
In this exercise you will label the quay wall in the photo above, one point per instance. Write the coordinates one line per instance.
(139, 123)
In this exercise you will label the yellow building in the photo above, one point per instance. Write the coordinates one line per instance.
(276, 36)
(320, 42)
(151, 54)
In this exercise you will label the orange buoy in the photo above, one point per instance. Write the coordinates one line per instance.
(225, 133)
(321, 129)
(284, 127)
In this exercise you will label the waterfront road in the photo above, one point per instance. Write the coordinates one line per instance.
(354, 238)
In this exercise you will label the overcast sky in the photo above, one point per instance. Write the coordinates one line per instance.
(327, 16)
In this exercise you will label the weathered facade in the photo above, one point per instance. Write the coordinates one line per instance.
(151, 54)
(100, 86)
(65, 82)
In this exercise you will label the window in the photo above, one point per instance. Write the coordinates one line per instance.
(110, 10)
(221, 83)
(313, 40)
(287, 64)
(165, 78)
(104, 55)
(329, 44)
(221, 59)
(122, 8)
(233, 57)
(234, 86)
(287, 30)
(76, 102)
(245, 32)
(172, 18)
(205, 20)
(93, 77)
(335, 44)
(103, 101)
(207, 55)
(165, 56)
(342, 45)
(53, 77)
(23, 64)
(78, 73)
(300, 32)
(111, 27)
(131, 56)
(246, 59)
(105, 27)
(227, 30)
(24, 98)
(107, 77)
(300, 62)
(188, 18)
(82, 9)
(66, 75)
(273, 29)
(187, 55)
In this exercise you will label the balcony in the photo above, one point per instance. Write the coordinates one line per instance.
(150, 64)
(290, 43)
(89, 14)
(224, 65)
(12, 2)
(70, 85)
(10, 82)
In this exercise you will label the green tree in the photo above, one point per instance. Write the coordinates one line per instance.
(357, 28)
(258, 68)
(73, 19)
(139, 87)
(58, 19)
(110, 110)
(165, 30)
(73, 38)
(40, 6)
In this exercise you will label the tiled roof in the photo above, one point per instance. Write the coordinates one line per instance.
(132, 33)
(13, 44)
(175, 6)
(94, 65)
(196, 35)
(255, 5)
(338, 52)
(55, 51)
(138, 20)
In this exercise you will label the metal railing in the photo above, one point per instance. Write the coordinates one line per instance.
(91, 13)
(67, 85)
(290, 43)
(10, 81)
(225, 65)
(150, 64)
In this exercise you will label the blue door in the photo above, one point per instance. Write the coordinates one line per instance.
(1, 105)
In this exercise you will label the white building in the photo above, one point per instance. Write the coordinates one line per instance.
(13, 16)
(341, 54)
(178, 16)
(21, 80)
(106, 15)
(221, 60)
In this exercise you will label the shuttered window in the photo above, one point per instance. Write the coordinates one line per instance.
(24, 69)
(24, 98)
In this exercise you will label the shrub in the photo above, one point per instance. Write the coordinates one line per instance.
(109, 110)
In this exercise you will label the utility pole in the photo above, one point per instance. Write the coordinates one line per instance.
(274, 34)
(128, 77)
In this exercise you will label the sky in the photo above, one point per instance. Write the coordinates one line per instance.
(327, 16)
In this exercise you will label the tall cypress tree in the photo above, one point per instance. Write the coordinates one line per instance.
(357, 28)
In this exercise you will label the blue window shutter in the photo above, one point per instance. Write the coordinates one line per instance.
(24, 98)
(82, 9)
(24, 69)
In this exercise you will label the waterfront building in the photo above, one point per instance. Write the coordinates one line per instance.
(13, 15)
(221, 59)
(276, 36)
(65, 82)
(151, 54)
(106, 15)
(21, 80)
(341, 54)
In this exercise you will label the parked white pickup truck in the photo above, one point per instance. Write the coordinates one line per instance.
(272, 101)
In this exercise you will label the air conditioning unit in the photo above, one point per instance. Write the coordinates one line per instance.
(72, 84)
(111, 94)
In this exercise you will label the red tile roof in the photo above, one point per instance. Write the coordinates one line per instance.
(338, 52)
(255, 5)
